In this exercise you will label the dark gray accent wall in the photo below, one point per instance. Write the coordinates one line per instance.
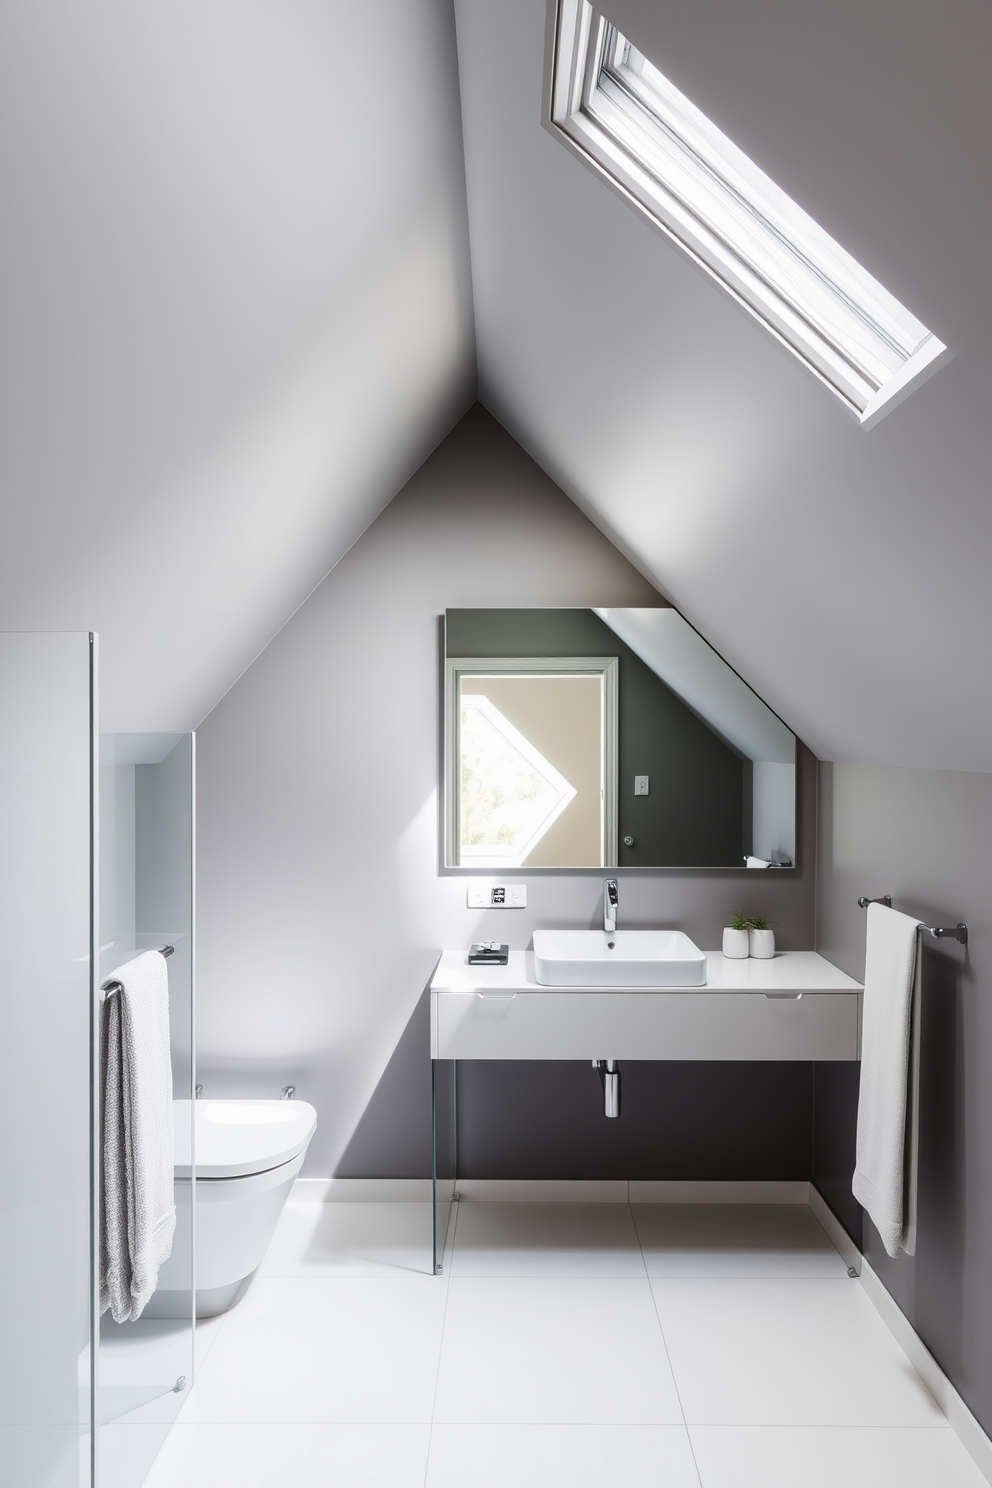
(925, 837)
(694, 816)
(542, 1119)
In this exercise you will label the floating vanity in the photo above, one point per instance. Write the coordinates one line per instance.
(794, 1006)
(797, 1005)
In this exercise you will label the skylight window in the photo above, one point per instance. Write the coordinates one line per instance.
(624, 118)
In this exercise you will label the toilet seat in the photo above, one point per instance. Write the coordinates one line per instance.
(239, 1137)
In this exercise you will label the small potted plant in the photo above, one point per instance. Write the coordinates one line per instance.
(761, 937)
(736, 937)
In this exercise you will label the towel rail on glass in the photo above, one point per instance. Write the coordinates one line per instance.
(938, 932)
(109, 988)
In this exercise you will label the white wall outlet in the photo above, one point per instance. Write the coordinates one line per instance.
(641, 785)
(497, 896)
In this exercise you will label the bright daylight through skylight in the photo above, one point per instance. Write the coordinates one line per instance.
(626, 120)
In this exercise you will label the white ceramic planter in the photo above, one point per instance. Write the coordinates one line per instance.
(736, 944)
(761, 944)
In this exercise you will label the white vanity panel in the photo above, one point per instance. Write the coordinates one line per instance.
(795, 1006)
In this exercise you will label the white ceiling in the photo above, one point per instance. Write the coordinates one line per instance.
(844, 573)
(237, 315)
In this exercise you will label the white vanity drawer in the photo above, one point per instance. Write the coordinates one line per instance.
(644, 1025)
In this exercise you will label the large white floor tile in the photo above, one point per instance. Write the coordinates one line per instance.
(758, 1352)
(127, 1452)
(140, 1365)
(735, 1240)
(553, 1350)
(828, 1456)
(325, 1349)
(299, 1456)
(350, 1240)
(576, 1456)
(546, 1240)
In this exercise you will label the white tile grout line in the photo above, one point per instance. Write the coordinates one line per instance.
(664, 1344)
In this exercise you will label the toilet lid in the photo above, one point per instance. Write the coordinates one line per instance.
(234, 1137)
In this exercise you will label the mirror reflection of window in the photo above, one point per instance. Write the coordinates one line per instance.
(511, 794)
(532, 760)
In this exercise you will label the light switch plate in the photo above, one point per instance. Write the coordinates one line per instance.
(497, 896)
(641, 785)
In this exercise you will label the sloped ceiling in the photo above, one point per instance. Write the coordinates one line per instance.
(236, 308)
(845, 574)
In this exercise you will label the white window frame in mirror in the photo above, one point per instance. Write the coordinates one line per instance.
(607, 667)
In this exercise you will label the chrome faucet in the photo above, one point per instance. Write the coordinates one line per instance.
(610, 902)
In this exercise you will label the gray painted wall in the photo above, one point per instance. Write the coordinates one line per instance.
(163, 856)
(321, 910)
(925, 837)
(247, 318)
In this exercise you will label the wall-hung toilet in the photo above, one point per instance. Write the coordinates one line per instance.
(247, 1153)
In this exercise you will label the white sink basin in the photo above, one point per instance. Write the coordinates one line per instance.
(624, 958)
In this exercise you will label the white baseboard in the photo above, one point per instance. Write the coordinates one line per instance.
(959, 1417)
(550, 1191)
(677, 1191)
(543, 1190)
(836, 1232)
(361, 1191)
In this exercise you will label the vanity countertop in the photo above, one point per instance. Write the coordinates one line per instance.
(786, 972)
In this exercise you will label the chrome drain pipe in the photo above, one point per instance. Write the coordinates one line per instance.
(609, 1077)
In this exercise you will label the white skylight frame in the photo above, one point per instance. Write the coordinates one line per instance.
(613, 107)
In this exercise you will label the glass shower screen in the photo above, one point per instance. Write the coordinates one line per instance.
(46, 868)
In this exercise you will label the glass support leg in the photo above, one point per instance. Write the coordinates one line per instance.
(434, 1265)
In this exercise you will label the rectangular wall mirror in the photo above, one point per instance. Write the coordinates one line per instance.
(599, 738)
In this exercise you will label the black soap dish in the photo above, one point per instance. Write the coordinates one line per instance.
(488, 953)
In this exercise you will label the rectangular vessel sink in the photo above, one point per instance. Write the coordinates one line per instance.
(622, 958)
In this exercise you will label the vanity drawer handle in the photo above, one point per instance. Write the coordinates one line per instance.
(496, 996)
(783, 996)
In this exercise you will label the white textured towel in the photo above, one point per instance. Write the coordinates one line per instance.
(138, 1213)
(888, 1106)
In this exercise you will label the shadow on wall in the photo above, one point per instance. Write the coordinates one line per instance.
(393, 1135)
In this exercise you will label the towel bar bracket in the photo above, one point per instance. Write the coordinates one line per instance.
(937, 932)
(947, 932)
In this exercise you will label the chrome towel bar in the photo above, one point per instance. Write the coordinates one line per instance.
(109, 988)
(938, 932)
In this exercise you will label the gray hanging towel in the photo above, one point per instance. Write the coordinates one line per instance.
(138, 1215)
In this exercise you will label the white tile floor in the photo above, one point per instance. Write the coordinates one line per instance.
(642, 1346)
